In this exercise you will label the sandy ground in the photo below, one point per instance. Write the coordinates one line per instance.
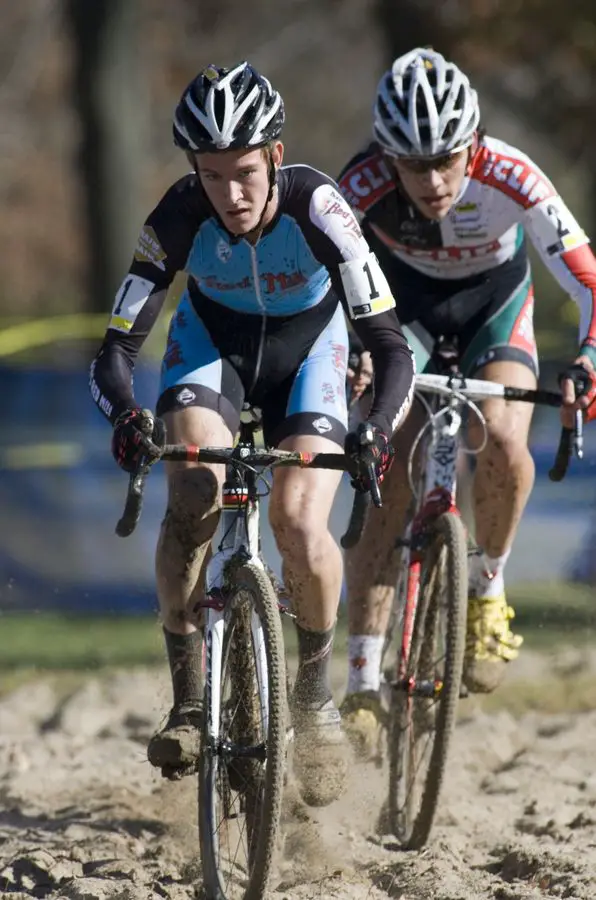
(83, 817)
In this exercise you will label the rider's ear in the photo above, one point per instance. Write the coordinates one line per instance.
(277, 153)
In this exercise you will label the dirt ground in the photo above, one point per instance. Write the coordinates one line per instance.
(83, 817)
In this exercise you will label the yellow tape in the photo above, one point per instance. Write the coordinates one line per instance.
(35, 333)
(39, 332)
(121, 324)
(382, 304)
(41, 456)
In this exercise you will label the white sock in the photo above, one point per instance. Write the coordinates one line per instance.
(364, 660)
(486, 575)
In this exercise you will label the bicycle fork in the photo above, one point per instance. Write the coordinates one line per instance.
(239, 544)
(438, 491)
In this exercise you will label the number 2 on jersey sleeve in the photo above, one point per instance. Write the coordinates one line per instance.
(366, 287)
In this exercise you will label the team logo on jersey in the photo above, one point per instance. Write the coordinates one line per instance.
(367, 182)
(440, 254)
(466, 214)
(328, 392)
(339, 357)
(463, 209)
(517, 178)
(185, 396)
(149, 249)
(336, 206)
(522, 334)
(467, 222)
(322, 424)
(223, 251)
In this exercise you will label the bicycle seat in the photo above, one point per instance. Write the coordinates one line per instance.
(251, 415)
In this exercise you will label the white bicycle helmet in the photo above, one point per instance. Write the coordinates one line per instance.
(228, 109)
(425, 106)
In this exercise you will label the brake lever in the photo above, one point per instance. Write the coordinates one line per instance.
(571, 442)
(375, 490)
(134, 500)
(578, 435)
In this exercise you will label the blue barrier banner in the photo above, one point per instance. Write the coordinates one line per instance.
(61, 494)
(60, 497)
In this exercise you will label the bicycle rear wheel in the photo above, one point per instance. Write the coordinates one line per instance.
(424, 704)
(241, 779)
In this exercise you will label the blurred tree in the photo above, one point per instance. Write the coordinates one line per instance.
(111, 103)
(537, 57)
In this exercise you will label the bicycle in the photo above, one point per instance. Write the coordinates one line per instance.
(431, 598)
(246, 728)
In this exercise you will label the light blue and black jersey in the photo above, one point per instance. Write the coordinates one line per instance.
(251, 314)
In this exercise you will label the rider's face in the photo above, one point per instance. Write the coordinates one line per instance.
(237, 184)
(433, 185)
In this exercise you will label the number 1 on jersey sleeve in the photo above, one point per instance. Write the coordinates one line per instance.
(366, 287)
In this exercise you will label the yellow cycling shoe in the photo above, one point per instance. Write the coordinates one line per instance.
(490, 643)
(363, 717)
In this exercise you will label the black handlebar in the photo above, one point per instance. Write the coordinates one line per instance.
(272, 458)
(134, 501)
(360, 508)
(570, 442)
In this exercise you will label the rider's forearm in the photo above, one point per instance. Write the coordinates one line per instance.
(394, 369)
(110, 375)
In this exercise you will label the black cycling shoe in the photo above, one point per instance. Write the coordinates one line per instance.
(175, 748)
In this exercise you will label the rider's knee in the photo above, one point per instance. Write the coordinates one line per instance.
(299, 530)
(193, 505)
(504, 439)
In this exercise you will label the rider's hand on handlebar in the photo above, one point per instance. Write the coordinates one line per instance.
(367, 446)
(359, 374)
(578, 389)
(137, 434)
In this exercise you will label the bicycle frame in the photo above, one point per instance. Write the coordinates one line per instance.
(436, 496)
(240, 542)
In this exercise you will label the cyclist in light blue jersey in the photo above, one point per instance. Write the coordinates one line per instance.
(274, 257)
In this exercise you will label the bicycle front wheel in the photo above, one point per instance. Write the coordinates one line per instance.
(424, 703)
(241, 778)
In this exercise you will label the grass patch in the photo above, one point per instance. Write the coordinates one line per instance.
(551, 613)
(64, 648)
(51, 641)
(546, 614)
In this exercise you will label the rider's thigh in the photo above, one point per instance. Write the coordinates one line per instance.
(194, 488)
(301, 499)
(507, 421)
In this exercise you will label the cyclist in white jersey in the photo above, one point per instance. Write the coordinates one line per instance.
(446, 210)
